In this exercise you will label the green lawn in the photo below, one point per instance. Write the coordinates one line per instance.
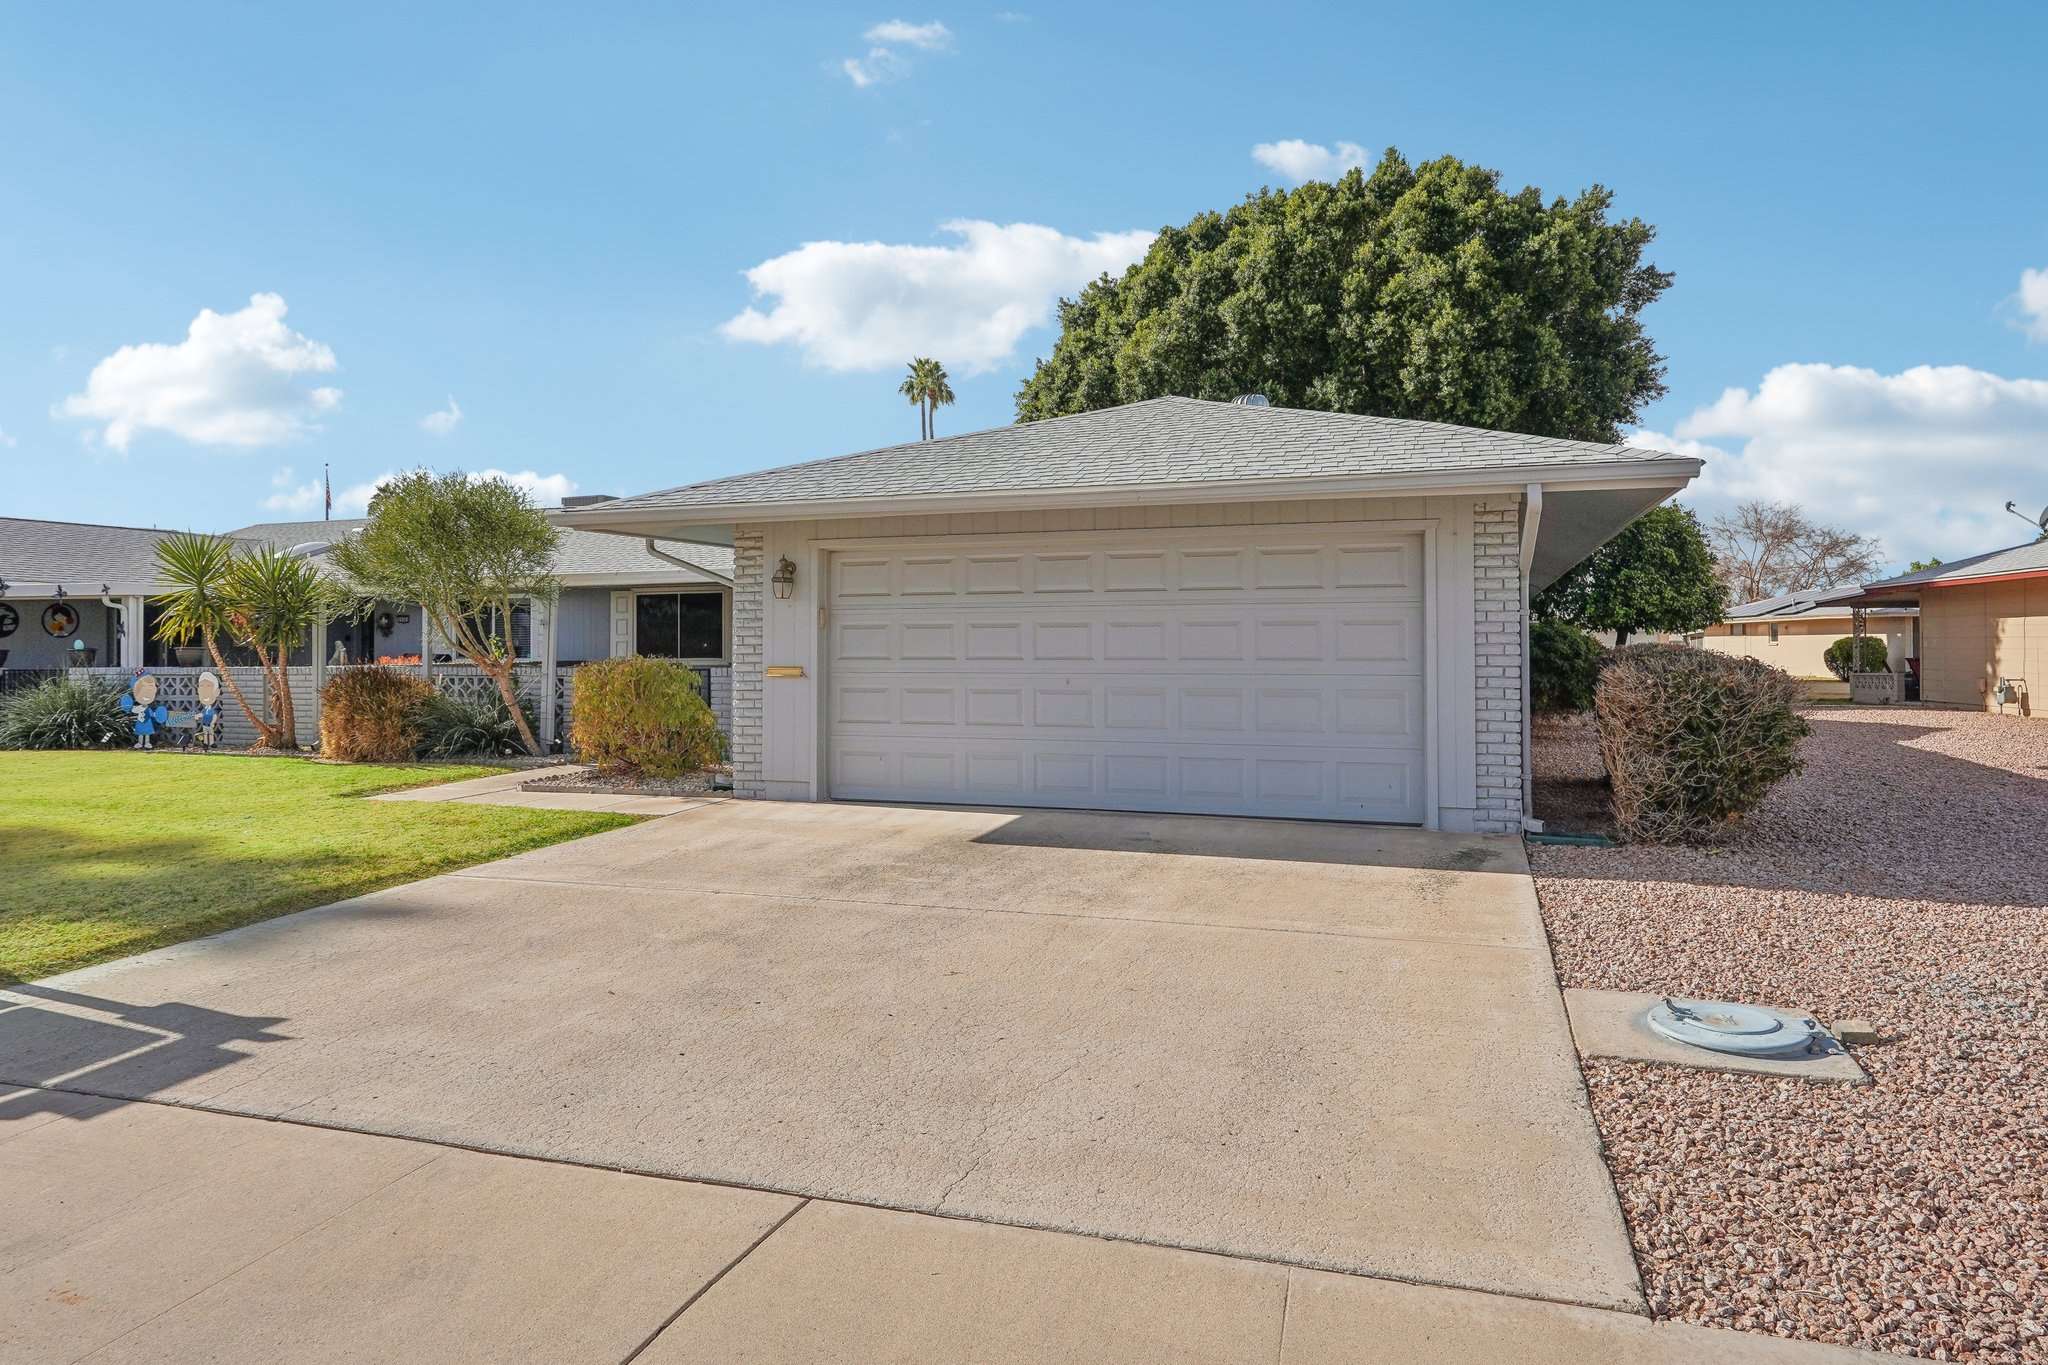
(106, 854)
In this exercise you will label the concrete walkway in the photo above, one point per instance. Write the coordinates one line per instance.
(505, 789)
(142, 1232)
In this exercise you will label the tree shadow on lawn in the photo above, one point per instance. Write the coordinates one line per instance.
(118, 895)
(1872, 815)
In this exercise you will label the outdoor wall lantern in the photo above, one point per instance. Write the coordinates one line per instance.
(784, 579)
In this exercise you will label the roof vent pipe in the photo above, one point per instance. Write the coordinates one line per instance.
(1251, 400)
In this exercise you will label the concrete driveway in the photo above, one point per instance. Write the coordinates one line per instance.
(1328, 1047)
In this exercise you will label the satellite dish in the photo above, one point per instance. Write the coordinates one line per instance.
(144, 690)
(2040, 521)
(208, 688)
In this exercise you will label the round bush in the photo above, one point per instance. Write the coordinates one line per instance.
(1564, 665)
(372, 715)
(1693, 740)
(65, 713)
(1876, 659)
(637, 716)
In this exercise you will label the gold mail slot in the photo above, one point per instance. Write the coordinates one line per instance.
(784, 670)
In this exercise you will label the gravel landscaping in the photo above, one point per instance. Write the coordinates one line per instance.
(1902, 879)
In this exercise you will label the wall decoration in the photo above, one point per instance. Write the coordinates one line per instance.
(10, 620)
(60, 619)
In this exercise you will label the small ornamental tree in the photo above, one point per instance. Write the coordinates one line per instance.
(1658, 574)
(1876, 658)
(465, 550)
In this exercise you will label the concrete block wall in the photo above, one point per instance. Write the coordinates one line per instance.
(1497, 663)
(749, 589)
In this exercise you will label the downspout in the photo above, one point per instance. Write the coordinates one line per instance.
(1532, 518)
(121, 650)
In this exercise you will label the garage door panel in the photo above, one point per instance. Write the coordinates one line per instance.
(1083, 777)
(1249, 672)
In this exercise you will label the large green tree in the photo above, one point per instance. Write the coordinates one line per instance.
(1658, 574)
(1416, 291)
(464, 549)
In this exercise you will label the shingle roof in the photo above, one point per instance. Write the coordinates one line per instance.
(582, 553)
(2029, 558)
(79, 555)
(1158, 441)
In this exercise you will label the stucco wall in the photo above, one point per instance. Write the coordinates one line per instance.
(1973, 636)
(1803, 644)
(1478, 613)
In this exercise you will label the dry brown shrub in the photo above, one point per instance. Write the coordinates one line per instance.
(643, 717)
(1693, 740)
(372, 715)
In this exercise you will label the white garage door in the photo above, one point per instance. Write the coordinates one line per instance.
(1228, 671)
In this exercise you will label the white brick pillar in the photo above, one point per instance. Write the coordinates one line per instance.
(1497, 625)
(749, 589)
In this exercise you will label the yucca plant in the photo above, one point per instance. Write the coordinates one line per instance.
(199, 569)
(276, 599)
(451, 727)
(65, 713)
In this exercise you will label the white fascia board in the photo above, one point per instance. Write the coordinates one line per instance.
(668, 579)
(1672, 475)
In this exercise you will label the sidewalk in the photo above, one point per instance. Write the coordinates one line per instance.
(504, 789)
(152, 1232)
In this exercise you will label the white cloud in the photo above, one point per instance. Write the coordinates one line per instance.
(353, 500)
(872, 305)
(1298, 161)
(882, 62)
(932, 37)
(6, 440)
(2033, 302)
(235, 380)
(444, 421)
(878, 66)
(1923, 459)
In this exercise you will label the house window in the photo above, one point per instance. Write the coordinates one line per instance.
(1738, 629)
(1774, 635)
(490, 625)
(679, 625)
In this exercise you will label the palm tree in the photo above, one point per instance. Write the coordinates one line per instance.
(277, 600)
(926, 387)
(913, 390)
(200, 569)
(938, 393)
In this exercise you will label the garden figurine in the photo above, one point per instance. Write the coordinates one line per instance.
(140, 702)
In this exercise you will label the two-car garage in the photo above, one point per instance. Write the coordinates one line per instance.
(1229, 670)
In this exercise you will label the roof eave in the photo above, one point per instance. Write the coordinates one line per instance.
(1672, 474)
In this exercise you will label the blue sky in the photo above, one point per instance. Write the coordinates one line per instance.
(543, 218)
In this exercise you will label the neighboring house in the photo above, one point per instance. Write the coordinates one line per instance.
(1983, 622)
(617, 597)
(67, 590)
(1793, 633)
(1173, 605)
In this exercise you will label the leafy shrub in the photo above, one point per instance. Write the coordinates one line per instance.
(1564, 664)
(372, 715)
(643, 716)
(1692, 739)
(1875, 657)
(65, 713)
(451, 727)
